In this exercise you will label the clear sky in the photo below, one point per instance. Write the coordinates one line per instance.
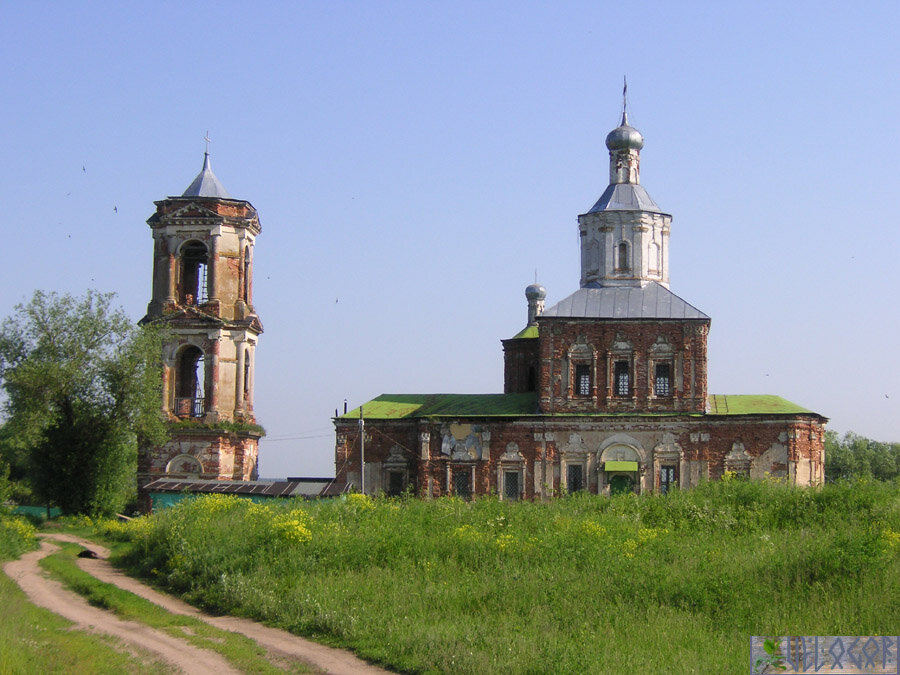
(415, 163)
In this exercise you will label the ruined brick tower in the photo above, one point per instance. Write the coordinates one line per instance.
(203, 296)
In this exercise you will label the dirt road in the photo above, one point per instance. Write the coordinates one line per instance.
(50, 594)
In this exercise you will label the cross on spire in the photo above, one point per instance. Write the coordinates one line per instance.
(206, 138)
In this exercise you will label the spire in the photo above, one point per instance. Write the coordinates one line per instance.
(206, 184)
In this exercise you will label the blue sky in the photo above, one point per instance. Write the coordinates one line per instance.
(415, 163)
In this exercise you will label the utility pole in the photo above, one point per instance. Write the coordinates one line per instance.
(362, 452)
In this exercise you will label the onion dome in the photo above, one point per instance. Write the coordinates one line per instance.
(535, 292)
(624, 136)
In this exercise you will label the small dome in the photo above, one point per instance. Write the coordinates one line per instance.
(624, 137)
(535, 292)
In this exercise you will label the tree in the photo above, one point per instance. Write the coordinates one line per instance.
(854, 456)
(82, 388)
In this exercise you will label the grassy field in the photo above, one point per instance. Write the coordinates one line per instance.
(674, 583)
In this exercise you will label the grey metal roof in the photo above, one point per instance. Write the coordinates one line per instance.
(206, 184)
(652, 301)
(293, 487)
(625, 197)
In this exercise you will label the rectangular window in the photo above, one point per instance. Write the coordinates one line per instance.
(461, 483)
(666, 477)
(511, 485)
(395, 483)
(574, 477)
(663, 381)
(622, 384)
(583, 380)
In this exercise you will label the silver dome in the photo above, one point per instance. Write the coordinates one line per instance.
(535, 292)
(624, 137)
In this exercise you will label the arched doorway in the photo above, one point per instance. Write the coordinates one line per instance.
(620, 465)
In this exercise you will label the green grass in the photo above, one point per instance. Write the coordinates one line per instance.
(674, 583)
(240, 651)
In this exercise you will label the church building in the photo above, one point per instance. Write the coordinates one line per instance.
(605, 391)
(202, 296)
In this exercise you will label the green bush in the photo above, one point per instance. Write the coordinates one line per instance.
(17, 536)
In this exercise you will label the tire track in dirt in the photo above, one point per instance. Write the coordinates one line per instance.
(280, 644)
(50, 594)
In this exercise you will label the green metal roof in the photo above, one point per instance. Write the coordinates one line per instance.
(406, 406)
(399, 406)
(761, 404)
(527, 332)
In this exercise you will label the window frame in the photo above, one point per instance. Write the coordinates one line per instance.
(622, 371)
(582, 375)
(581, 475)
(669, 388)
(671, 480)
(460, 471)
(507, 473)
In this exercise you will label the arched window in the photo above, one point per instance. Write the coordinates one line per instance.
(623, 256)
(190, 381)
(194, 261)
(247, 250)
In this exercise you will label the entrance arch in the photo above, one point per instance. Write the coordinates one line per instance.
(620, 466)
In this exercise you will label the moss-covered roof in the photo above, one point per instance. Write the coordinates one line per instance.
(761, 404)
(404, 406)
(399, 406)
(527, 332)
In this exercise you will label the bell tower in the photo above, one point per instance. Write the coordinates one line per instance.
(202, 296)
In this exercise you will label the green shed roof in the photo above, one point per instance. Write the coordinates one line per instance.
(399, 406)
(405, 406)
(761, 404)
(527, 332)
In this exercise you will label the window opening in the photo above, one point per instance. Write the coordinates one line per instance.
(511, 485)
(532, 379)
(247, 274)
(623, 256)
(583, 380)
(194, 260)
(461, 485)
(622, 384)
(395, 483)
(246, 373)
(190, 382)
(574, 477)
(666, 477)
(662, 382)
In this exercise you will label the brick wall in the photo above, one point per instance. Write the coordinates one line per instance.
(540, 450)
(564, 344)
(521, 365)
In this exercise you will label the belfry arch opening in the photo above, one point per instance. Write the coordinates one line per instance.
(194, 267)
(190, 383)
